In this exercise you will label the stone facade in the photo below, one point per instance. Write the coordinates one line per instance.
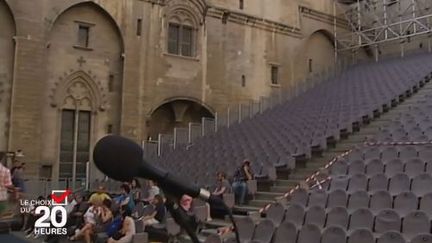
(110, 59)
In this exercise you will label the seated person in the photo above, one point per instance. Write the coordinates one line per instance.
(136, 190)
(152, 192)
(99, 196)
(104, 216)
(87, 230)
(243, 174)
(75, 217)
(30, 219)
(158, 216)
(222, 186)
(186, 203)
(125, 197)
(127, 230)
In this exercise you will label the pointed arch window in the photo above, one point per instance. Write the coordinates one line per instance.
(75, 134)
(182, 34)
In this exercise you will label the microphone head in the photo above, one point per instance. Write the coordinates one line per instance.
(117, 157)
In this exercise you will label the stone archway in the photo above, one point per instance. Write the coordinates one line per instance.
(176, 113)
(318, 52)
(83, 87)
(7, 49)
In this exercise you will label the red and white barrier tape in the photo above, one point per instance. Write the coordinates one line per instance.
(313, 177)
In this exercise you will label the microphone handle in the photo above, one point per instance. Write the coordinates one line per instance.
(172, 184)
(181, 218)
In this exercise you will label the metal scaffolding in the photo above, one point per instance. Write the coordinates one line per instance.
(377, 23)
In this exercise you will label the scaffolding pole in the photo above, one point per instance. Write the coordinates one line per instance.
(378, 23)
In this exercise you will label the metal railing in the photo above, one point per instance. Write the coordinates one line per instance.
(184, 138)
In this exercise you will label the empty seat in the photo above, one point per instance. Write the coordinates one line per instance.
(246, 228)
(309, 233)
(378, 182)
(374, 166)
(213, 239)
(414, 167)
(318, 198)
(295, 214)
(337, 216)
(394, 167)
(333, 234)
(407, 152)
(264, 231)
(387, 220)
(391, 237)
(426, 204)
(300, 196)
(275, 213)
(361, 218)
(340, 167)
(356, 167)
(315, 215)
(380, 200)
(339, 182)
(425, 152)
(405, 203)
(420, 184)
(372, 153)
(422, 238)
(361, 236)
(399, 183)
(389, 153)
(359, 199)
(337, 198)
(356, 154)
(416, 223)
(286, 233)
(357, 182)
(429, 167)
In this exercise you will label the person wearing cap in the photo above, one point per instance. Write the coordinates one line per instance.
(242, 174)
(99, 196)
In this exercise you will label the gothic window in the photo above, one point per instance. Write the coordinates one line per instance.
(274, 74)
(181, 35)
(310, 66)
(139, 27)
(75, 131)
(83, 35)
(74, 143)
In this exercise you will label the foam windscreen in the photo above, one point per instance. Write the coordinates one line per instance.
(117, 157)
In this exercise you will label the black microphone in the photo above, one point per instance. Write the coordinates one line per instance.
(122, 159)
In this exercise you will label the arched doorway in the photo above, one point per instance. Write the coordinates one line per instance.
(319, 52)
(176, 113)
(7, 49)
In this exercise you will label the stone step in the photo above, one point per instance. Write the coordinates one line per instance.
(290, 183)
(268, 195)
(246, 208)
(260, 203)
(280, 189)
(217, 223)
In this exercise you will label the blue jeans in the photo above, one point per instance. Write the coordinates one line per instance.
(240, 190)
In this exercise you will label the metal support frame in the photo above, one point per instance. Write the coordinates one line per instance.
(381, 22)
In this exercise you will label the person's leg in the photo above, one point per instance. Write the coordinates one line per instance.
(80, 232)
(235, 188)
(242, 192)
(88, 235)
(208, 218)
